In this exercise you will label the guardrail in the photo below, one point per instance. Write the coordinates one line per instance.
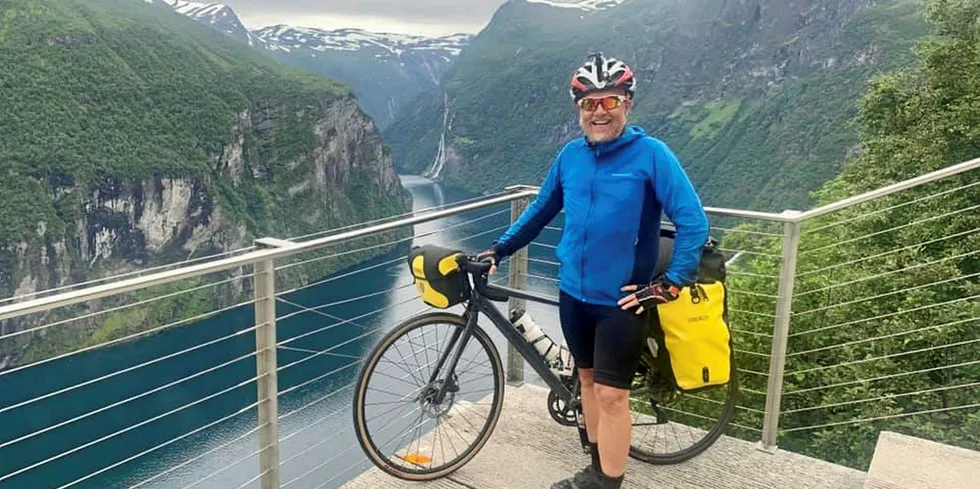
(802, 284)
(281, 324)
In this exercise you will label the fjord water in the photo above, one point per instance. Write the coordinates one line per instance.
(112, 446)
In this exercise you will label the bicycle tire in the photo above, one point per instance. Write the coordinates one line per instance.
(361, 430)
(718, 429)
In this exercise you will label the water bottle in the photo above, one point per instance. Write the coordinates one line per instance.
(566, 362)
(557, 357)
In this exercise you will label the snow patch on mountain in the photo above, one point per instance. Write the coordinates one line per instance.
(288, 38)
(197, 10)
(586, 5)
(358, 39)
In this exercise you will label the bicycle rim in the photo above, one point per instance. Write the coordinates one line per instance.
(430, 440)
(683, 427)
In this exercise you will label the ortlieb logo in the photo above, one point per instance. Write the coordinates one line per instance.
(696, 319)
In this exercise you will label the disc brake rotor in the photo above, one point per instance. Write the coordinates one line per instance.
(428, 399)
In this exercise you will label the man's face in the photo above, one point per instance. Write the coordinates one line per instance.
(601, 124)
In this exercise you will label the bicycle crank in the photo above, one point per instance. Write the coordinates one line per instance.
(560, 411)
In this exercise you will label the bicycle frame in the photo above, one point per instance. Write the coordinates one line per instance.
(564, 403)
(481, 301)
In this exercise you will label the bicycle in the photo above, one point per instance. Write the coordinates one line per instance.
(438, 397)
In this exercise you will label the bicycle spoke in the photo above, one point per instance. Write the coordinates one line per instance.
(458, 418)
(703, 416)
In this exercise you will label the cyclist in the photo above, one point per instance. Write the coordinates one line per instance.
(613, 184)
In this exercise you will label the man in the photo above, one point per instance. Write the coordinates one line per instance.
(613, 185)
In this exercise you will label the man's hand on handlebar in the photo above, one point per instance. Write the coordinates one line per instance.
(489, 256)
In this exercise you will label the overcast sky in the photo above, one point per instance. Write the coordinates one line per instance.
(426, 17)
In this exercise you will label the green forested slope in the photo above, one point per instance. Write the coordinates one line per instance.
(754, 96)
(886, 327)
(110, 88)
(131, 136)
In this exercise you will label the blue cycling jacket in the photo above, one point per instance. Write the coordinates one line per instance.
(613, 194)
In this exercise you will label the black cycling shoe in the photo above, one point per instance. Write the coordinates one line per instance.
(606, 482)
(586, 478)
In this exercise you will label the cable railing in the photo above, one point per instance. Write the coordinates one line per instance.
(32, 450)
(320, 334)
(362, 325)
(134, 273)
(847, 319)
(852, 317)
(752, 310)
(886, 323)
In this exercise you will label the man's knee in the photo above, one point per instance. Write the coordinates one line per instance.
(611, 398)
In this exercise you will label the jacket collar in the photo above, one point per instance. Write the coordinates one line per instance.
(630, 133)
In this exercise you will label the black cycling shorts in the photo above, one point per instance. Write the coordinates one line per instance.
(606, 339)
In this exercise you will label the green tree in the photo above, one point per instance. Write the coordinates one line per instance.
(886, 326)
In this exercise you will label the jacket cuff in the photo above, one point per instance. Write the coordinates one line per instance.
(499, 250)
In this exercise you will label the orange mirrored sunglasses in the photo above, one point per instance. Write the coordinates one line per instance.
(609, 103)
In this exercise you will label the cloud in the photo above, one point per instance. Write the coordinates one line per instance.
(421, 16)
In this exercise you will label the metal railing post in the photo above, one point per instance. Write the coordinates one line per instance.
(517, 279)
(780, 335)
(265, 356)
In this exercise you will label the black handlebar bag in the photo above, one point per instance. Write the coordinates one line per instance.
(437, 275)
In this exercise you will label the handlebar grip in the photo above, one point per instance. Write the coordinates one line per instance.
(481, 268)
(474, 266)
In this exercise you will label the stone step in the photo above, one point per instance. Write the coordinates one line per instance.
(905, 462)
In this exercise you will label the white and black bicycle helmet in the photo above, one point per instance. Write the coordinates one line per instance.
(601, 73)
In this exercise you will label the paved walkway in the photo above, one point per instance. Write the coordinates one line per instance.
(529, 450)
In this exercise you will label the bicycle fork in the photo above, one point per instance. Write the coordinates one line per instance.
(449, 385)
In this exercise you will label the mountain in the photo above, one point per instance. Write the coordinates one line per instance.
(385, 70)
(132, 139)
(220, 17)
(586, 5)
(755, 96)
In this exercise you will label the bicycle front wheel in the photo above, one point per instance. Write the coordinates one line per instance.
(399, 420)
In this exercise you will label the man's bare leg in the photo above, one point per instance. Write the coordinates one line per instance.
(615, 428)
(589, 408)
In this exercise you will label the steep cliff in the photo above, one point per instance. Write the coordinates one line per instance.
(753, 95)
(131, 142)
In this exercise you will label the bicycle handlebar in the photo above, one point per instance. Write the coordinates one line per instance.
(480, 270)
(474, 266)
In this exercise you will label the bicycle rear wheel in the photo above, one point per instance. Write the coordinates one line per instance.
(432, 439)
(670, 427)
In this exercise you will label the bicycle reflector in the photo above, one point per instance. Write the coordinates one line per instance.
(414, 458)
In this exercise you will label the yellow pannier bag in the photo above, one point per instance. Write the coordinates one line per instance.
(696, 336)
(440, 281)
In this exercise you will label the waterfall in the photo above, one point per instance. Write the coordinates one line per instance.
(440, 160)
